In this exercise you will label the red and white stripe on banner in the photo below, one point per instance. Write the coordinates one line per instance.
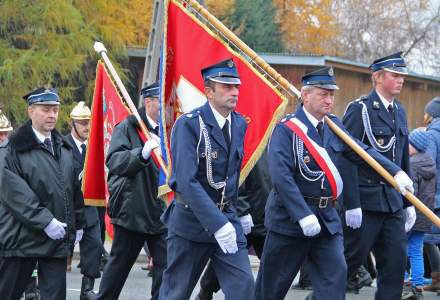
(320, 155)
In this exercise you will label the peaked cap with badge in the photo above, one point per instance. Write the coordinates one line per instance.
(222, 72)
(43, 96)
(151, 91)
(392, 63)
(323, 78)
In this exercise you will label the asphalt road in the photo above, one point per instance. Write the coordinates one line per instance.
(138, 287)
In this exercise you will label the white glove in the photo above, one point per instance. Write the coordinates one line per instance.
(227, 238)
(246, 223)
(410, 213)
(404, 183)
(55, 229)
(353, 218)
(155, 137)
(79, 236)
(148, 147)
(310, 225)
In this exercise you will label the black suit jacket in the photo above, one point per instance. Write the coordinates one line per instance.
(90, 212)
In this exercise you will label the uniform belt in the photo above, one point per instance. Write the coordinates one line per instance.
(220, 205)
(321, 202)
(372, 181)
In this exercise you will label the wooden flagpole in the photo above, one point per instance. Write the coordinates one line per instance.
(99, 47)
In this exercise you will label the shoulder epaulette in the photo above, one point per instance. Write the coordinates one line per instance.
(192, 114)
(360, 99)
(287, 117)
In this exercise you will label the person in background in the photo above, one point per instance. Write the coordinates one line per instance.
(423, 174)
(432, 239)
(90, 245)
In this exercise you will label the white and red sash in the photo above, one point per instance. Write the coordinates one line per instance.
(319, 154)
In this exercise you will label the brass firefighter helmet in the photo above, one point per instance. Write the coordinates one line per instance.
(5, 125)
(81, 112)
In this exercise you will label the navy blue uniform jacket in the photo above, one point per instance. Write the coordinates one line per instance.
(372, 193)
(286, 204)
(198, 217)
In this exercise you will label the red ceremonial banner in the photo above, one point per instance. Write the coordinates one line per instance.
(190, 46)
(108, 110)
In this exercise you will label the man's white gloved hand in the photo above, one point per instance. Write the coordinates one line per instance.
(79, 235)
(55, 229)
(148, 147)
(227, 238)
(404, 183)
(353, 218)
(410, 213)
(310, 225)
(155, 137)
(246, 223)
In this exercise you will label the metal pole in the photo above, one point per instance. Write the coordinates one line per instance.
(152, 56)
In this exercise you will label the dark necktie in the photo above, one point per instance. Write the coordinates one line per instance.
(225, 131)
(84, 151)
(319, 127)
(155, 130)
(48, 143)
(391, 111)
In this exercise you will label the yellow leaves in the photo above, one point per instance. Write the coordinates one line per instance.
(120, 23)
(220, 8)
(306, 25)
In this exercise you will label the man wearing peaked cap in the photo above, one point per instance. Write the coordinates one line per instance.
(301, 219)
(90, 244)
(207, 152)
(5, 127)
(379, 120)
(41, 203)
(134, 208)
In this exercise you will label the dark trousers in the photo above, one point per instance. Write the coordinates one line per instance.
(125, 249)
(187, 259)
(384, 233)
(283, 256)
(209, 281)
(16, 273)
(90, 251)
(101, 214)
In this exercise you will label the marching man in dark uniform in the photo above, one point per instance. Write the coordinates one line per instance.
(376, 208)
(207, 151)
(301, 218)
(252, 197)
(90, 245)
(41, 204)
(134, 208)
